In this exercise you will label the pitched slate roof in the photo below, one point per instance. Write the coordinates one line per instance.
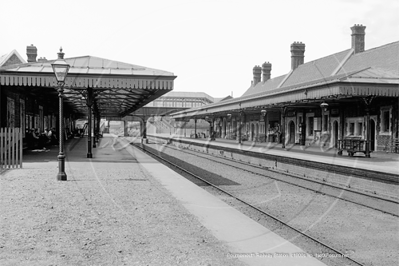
(11, 58)
(270, 84)
(310, 71)
(317, 69)
(373, 75)
(319, 78)
(187, 94)
(223, 99)
(385, 58)
(121, 87)
(91, 65)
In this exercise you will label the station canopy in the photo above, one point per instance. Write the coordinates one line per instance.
(118, 88)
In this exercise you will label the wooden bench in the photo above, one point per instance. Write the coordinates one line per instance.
(352, 145)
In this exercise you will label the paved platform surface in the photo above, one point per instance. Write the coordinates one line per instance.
(380, 161)
(124, 208)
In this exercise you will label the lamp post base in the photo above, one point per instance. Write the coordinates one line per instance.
(89, 155)
(61, 176)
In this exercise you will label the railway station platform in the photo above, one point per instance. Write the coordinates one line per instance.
(124, 208)
(380, 163)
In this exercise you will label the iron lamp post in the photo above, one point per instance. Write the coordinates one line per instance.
(229, 128)
(60, 69)
(264, 112)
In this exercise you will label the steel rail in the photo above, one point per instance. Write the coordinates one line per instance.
(371, 196)
(342, 255)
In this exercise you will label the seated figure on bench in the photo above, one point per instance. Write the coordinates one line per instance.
(30, 140)
(53, 137)
(41, 138)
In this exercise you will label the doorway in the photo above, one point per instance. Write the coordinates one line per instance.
(257, 132)
(291, 127)
(335, 132)
(372, 135)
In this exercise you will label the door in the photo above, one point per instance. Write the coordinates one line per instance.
(335, 132)
(372, 135)
(291, 133)
(257, 132)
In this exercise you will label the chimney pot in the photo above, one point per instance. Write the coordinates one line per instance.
(358, 32)
(257, 71)
(31, 52)
(42, 59)
(297, 54)
(266, 70)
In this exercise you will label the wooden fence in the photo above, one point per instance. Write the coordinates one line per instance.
(11, 147)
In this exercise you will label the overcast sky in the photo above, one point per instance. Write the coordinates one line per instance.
(211, 45)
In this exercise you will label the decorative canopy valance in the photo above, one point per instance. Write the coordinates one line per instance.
(118, 88)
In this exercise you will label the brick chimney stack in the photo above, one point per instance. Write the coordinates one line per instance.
(297, 54)
(257, 71)
(358, 38)
(31, 52)
(266, 69)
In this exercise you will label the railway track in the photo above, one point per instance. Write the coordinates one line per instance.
(331, 250)
(383, 203)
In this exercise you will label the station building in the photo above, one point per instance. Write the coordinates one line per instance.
(184, 99)
(347, 98)
(180, 100)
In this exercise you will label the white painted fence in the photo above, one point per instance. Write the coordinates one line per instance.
(11, 147)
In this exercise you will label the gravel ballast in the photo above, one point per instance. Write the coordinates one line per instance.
(367, 235)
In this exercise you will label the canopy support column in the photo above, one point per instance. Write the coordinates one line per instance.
(125, 128)
(195, 128)
(283, 110)
(368, 101)
(98, 126)
(144, 130)
(302, 127)
(224, 127)
(239, 124)
(94, 128)
(264, 114)
(342, 128)
(211, 128)
(89, 105)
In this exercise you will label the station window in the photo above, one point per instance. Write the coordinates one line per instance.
(354, 126)
(311, 125)
(385, 119)
(359, 130)
(351, 128)
(325, 123)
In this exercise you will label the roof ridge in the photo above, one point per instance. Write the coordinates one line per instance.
(285, 78)
(378, 47)
(320, 58)
(342, 63)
